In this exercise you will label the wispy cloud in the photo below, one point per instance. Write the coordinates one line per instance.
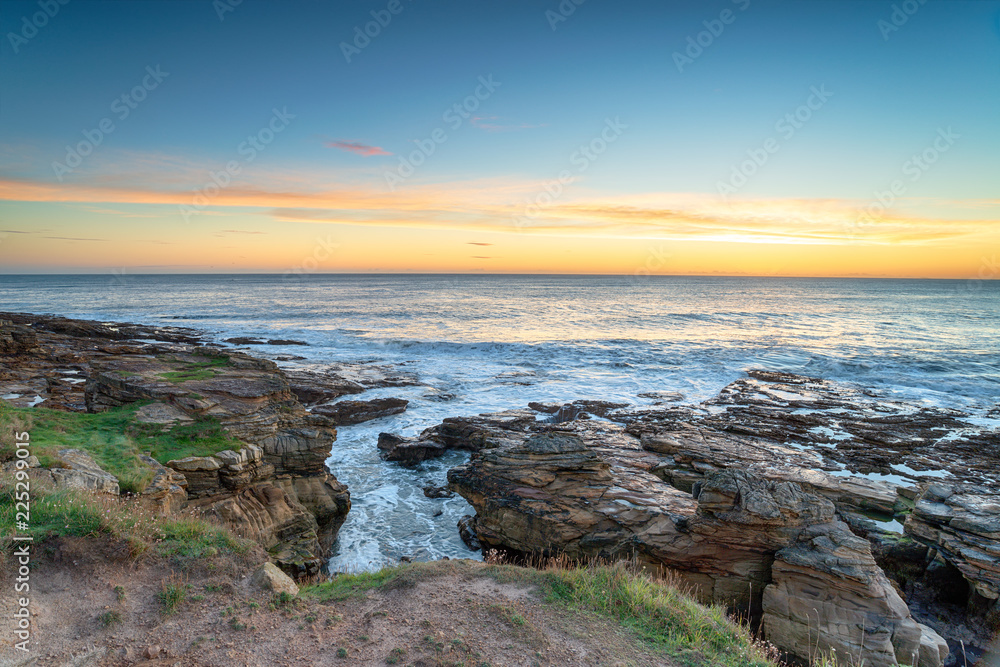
(356, 147)
(475, 243)
(499, 205)
(71, 238)
(237, 231)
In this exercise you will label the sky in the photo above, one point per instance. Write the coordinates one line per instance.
(710, 137)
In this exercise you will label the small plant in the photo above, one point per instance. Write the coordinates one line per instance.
(253, 606)
(110, 618)
(341, 652)
(120, 593)
(363, 638)
(310, 618)
(171, 595)
(517, 619)
(197, 598)
(235, 624)
(395, 655)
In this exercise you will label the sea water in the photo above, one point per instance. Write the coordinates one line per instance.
(482, 343)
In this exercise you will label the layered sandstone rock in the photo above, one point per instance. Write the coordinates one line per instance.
(589, 490)
(166, 493)
(962, 522)
(16, 339)
(355, 412)
(275, 485)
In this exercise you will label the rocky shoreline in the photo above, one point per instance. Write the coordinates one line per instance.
(832, 517)
(274, 487)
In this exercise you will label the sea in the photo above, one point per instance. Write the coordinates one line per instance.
(482, 343)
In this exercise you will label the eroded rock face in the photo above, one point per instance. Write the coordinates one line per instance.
(81, 365)
(166, 493)
(314, 387)
(962, 522)
(742, 537)
(265, 513)
(16, 339)
(827, 592)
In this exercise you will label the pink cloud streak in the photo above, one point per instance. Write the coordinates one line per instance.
(357, 147)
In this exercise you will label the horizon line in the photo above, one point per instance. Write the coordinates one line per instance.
(306, 276)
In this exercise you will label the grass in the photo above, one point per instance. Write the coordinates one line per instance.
(195, 370)
(171, 595)
(110, 618)
(655, 610)
(75, 513)
(115, 439)
(348, 586)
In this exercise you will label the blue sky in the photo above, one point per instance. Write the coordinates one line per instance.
(891, 93)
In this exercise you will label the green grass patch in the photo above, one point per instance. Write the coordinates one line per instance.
(115, 439)
(658, 613)
(75, 513)
(171, 595)
(103, 435)
(204, 436)
(110, 618)
(194, 370)
(347, 586)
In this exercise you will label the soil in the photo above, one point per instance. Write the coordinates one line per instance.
(452, 613)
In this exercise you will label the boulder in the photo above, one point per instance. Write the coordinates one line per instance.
(354, 412)
(269, 578)
(80, 471)
(408, 451)
(827, 593)
(432, 491)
